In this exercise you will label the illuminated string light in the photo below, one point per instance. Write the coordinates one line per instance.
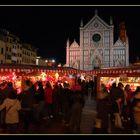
(56, 76)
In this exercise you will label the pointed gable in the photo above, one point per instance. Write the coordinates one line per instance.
(74, 45)
(119, 43)
(96, 22)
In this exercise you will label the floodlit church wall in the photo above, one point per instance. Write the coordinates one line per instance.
(75, 58)
(106, 58)
(97, 48)
(67, 56)
(81, 49)
(119, 57)
(86, 41)
(86, 34)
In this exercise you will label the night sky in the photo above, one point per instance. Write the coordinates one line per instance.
(48, 27)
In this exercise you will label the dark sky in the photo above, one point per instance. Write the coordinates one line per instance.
(48, 27)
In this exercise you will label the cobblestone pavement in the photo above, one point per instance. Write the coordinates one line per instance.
(88, 116)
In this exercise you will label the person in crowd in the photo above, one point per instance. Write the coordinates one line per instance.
(90, 87)
(137, 115)
(117, 111)
(2, 87)
(27, 101)
(121, 91)
(84, 87)
(56, 98)
(34, 91)
(113, 94)
(36, 110)
(12, 105)
(49, 99)
(7, 88)
(117, 91)
(2, 112)
(103, 109)
(41, 101)
(128, 95)
(59, 95)
(66, 103)
(135, 111)
(76, 111)
(113, 88)
(75, 87)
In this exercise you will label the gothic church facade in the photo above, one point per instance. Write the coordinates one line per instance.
(97, 48)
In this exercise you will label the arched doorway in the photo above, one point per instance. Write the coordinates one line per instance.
(96, 63)
(76, 65)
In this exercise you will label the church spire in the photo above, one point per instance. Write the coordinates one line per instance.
(111, 20)
(122, 32)
(68, 42)
(96, 12)
(74, 40)
(81, 23)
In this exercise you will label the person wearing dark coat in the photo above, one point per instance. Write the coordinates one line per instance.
(41, 101)
(76, 112)
(103, 109)
(66, 103)
(117, 111)
(117, 91)
(27, 101)
(135, 111)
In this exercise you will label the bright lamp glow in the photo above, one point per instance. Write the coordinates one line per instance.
(53, 61)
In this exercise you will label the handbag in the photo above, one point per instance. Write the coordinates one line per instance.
(118, 121)
(98, 123)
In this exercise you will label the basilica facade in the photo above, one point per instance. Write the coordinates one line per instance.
(97, 48)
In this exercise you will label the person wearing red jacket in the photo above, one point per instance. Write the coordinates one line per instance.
(49, 99)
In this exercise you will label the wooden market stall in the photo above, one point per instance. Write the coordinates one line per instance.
(127, 75)
(18, 73)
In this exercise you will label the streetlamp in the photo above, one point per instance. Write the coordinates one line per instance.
(53, 61)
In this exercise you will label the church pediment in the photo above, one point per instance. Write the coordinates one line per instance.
(119, 43)
(74, 45)
(96, 47)
(96, 23)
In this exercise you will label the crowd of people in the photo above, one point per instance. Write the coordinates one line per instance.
(117, 105)
(38, 101)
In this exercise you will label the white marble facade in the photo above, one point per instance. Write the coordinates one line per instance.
(97, 48)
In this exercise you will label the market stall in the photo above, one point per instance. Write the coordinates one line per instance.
(132, 81)
(17, 74)
(126, 75)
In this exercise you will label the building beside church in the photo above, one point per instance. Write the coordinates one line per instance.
(96, 48)
(14, 51)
